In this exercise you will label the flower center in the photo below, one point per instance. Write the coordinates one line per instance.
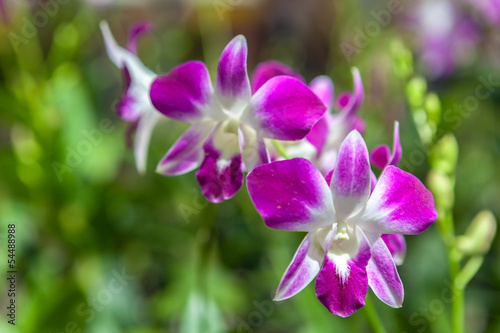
(231, 126)
(342, 231)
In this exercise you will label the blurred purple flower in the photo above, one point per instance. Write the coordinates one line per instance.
(134, 105)
(489, 9)
(447, 36)
(330, 131)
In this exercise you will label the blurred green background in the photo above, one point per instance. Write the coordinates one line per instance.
(103, 249)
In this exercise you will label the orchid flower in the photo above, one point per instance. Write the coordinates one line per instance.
(134, 105)
(323, 141)
(381, 157)
(329, 132)
(228, 122)
(490, 9)
(263, 73)
(343, 248)
(447, 36)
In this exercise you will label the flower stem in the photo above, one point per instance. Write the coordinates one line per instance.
(279, 147)
(372, 316)
(458, 309)
(457, 306)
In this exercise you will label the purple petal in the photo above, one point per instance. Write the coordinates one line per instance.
(373, 182)
(322, 86)
(145, 128)
(328, 177)
(400, 204)
(183, 92)
(342, 283)
(397, 246)
(352, 176)
(380, 156)
(127, 107)
(291, 195)
(269, 69)
(342, 100)
(302, 270)
(221, 172)
(397, 150)
(135, 32)
(232, 82)
(284, 108)
(319, 133)
(358, 124)
(186, 154)
(356, 99)
(383, 276)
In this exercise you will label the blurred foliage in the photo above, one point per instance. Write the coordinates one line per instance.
(84, 217)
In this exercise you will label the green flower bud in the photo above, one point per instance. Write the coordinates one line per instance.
(415, 91)
(479, 235)
(445, 154)
(442, 188)
(402, 59)
(433, 109)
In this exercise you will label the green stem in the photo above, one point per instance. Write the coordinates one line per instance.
(372, 316)
(279, 147)
(457, 305)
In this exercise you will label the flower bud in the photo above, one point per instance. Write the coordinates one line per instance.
(445, 154)
(402, 59)
(415, 91)
(479, 235)
(433, 109)
(442, 188)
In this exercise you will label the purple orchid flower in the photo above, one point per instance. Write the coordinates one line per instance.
(263, 73)
(323, 141)
(343, 248)
(134, 105)
(268, 69)
(381, 157)
(490, 9)
(229, 123)
(331, 130)
(447, 36)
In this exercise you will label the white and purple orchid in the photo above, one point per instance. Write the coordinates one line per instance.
(134, 105)
(330, 131)
(228, 122)
(343, 247)
(381, 157)
(323, 141)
